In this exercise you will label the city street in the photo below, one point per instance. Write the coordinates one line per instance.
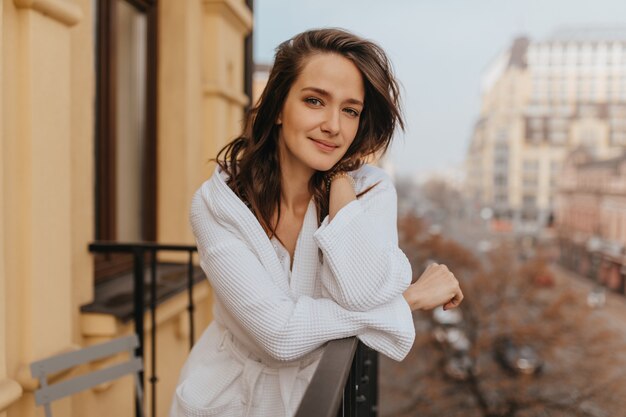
(614, 309)
(400, 397)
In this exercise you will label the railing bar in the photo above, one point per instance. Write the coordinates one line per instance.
(343, 360)
(365, 390)
(138, 250)
(352, 384)
(138, 301)
(130, 247)
(323, 399)
(191, 306)
(373, 355)
(153, 296)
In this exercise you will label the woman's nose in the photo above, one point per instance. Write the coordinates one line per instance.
(330, 125)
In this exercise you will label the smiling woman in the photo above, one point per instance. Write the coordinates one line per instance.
(298, 236)
(320, 117)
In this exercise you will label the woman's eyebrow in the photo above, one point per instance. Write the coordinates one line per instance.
(325, 93)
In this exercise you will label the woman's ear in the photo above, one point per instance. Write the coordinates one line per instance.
(279, 119)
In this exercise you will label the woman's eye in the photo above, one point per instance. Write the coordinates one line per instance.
(314, 101)
(352, 112)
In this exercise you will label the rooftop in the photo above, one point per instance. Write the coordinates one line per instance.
(589, 34)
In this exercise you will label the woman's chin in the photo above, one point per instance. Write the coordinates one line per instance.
(324, 167)
(321, 164)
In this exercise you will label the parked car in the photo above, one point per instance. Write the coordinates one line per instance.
(544, 279)
(453, 337)
(596, 297)
(519, 359)
(458, 367)
(448, 329)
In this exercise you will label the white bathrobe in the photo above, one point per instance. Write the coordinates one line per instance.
(271, 323)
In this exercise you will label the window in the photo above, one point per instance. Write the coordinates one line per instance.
(589, 136)
(125, 126)
(528, 201)
(618, 137)
(536, 124)
(529, 182)
(500, 181)
(558, 137)
(531, 166)
(501, 200)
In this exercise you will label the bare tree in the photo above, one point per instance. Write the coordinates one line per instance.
(580, 369)
(445, 198)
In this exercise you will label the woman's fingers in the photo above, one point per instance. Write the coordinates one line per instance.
(435, 287)
(440, 287)
(455, 301)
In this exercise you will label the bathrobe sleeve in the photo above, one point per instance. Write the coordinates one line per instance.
(363, 266)
(288, 328)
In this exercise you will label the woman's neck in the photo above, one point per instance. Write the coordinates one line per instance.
(294, 193)
(294, 180)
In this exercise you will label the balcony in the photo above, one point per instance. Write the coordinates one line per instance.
(344, 384)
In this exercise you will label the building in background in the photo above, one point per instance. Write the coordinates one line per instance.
(541, 99)
(110, 111)
(590, 217)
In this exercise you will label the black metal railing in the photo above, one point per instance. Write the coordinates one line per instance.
(345, 382)
(140, 252)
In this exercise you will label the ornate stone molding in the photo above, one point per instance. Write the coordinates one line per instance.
(235, 10)
(230, 95)
(63, 11)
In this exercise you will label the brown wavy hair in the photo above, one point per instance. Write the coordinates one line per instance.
(251, 160)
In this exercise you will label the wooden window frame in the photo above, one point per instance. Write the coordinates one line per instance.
(105, 135)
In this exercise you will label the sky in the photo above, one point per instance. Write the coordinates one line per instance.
(439, 49)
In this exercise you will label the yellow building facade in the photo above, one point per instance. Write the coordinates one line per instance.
(540, 100)
(49, 60)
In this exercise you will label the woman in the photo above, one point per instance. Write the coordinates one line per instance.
(298, 236)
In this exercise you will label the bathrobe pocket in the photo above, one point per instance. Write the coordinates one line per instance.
(214, 388)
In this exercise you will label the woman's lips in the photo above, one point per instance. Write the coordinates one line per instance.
(324, 146)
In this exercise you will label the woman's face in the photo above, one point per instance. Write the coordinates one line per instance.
(320, 116)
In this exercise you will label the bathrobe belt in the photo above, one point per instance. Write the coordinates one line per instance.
(253, 367)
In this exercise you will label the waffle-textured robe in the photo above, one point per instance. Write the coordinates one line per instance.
(270, 322)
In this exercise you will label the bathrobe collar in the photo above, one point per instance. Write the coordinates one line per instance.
(230, 211)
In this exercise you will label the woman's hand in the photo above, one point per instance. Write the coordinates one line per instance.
(436, 286)
(341, 190)
(341, 194)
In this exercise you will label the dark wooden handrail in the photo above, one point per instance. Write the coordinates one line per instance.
(324, 394)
